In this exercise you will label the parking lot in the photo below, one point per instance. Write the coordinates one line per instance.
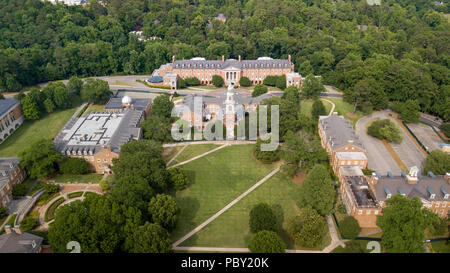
(426, 135)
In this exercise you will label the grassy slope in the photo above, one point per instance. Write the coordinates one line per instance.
(344, 108)
(194, 150)
(306, 106)
(217, 179)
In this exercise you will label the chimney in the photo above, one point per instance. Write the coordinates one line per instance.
(8, 229)
(289, 57)
(173, 58)
(374, 178)
(17, 229)
(223, 58)
(239, 58)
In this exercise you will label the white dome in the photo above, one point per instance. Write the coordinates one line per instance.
(126, 100)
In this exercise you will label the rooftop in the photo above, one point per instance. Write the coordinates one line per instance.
(7, 164)
(20, 243)
(88, 134)
(139, 104)
(349, 170)
(339, 131)
(399, 184)
(361, 191)
(200, 63)
(6, 105)
(351, 156)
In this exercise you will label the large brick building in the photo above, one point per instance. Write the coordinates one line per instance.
(11, 117)
(231, 70)
(98, 136)
(365, 196)
(10, 175)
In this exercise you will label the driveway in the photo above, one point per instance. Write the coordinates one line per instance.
(379, 158)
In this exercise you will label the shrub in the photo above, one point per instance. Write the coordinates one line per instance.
(20, 189)
(440, 227)
(437, 162)
(105, 184)
(267, 242)
(72, 165)
(281, 82)
(181, 83)
(385, 129)
(29, 223)
(244, 81)
(258, 90)
(192, 81)
(270, 80)
(266, 156)
(318, 109)
(3, 212)
(217, 81)
(445, 128)
(178, 178)
(262, 217)
(349, 227)
(308, 228)
(342, 209)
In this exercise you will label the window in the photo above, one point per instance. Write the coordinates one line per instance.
(376, 212)
(360, 212)
(368, 212)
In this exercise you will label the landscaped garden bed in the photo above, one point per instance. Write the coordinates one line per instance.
(50, 212)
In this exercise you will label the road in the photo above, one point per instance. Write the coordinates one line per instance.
(379, 158)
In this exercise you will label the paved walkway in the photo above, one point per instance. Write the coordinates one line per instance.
(177, 154)
(197, 157)
(335, 241)
(212, 218)
(332, 106)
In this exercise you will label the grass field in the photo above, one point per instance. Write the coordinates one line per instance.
(306, 106)
(31, 131)
(169, 152)
(231, 229)
(346, 109)
(217, 179)
(192, 151)
(82, 178)
(441, 246)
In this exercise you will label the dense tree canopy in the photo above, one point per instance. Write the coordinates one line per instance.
(404, 48)
(308, 228)
(318, 191)
(385, 129)
(437, 162)
(40, 159)
(267, 242)
(163, 210)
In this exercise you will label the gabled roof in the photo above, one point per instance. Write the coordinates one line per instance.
(339, 131)
(244, 64)
(20, 243)
(7, 104)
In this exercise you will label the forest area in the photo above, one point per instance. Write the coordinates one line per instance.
(397, 51)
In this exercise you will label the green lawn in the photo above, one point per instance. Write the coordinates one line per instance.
(231, 229)
(93, 178)
(169, 152)
(31, 131)
(306, 106)
(346, 109)
(193, 150)
(217, 179)
(94, 108)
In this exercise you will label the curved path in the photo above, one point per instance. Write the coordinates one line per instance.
(332, 106)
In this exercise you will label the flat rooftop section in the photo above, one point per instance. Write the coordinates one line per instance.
(351, 156)
(339, 131)
(139, 104)
(348, 170)
(98, 129)
(6, 104)
(410, 190)
(360, 188)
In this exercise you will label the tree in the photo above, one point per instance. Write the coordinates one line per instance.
(75, 85)
(318, 191)
(291, 94)
(140, 172)
(244, 81)
(3, 212)
(281, 82)
(266, 241)
(72, 165)
(403, 224)
(181, 83)
(445, 128)
(163, 210)
(179, 179)
(148, 238)
(258, 90)
(99, 224)
(270, 80)
(95, 91)
(217, 81)
(312, 87)
(157, 128)
(349, 227)
(266, 156)
(29, 108)
(162, 106)
(20, 189)
(192, 81)
(437, 162)
(49, 105)
(2, 97)
(308, 228)
(40, 159)
(61, 96)
(408, 111)
(262, 217)
(351, 247)
(385, 129)
(318, 109)
(29, 223)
